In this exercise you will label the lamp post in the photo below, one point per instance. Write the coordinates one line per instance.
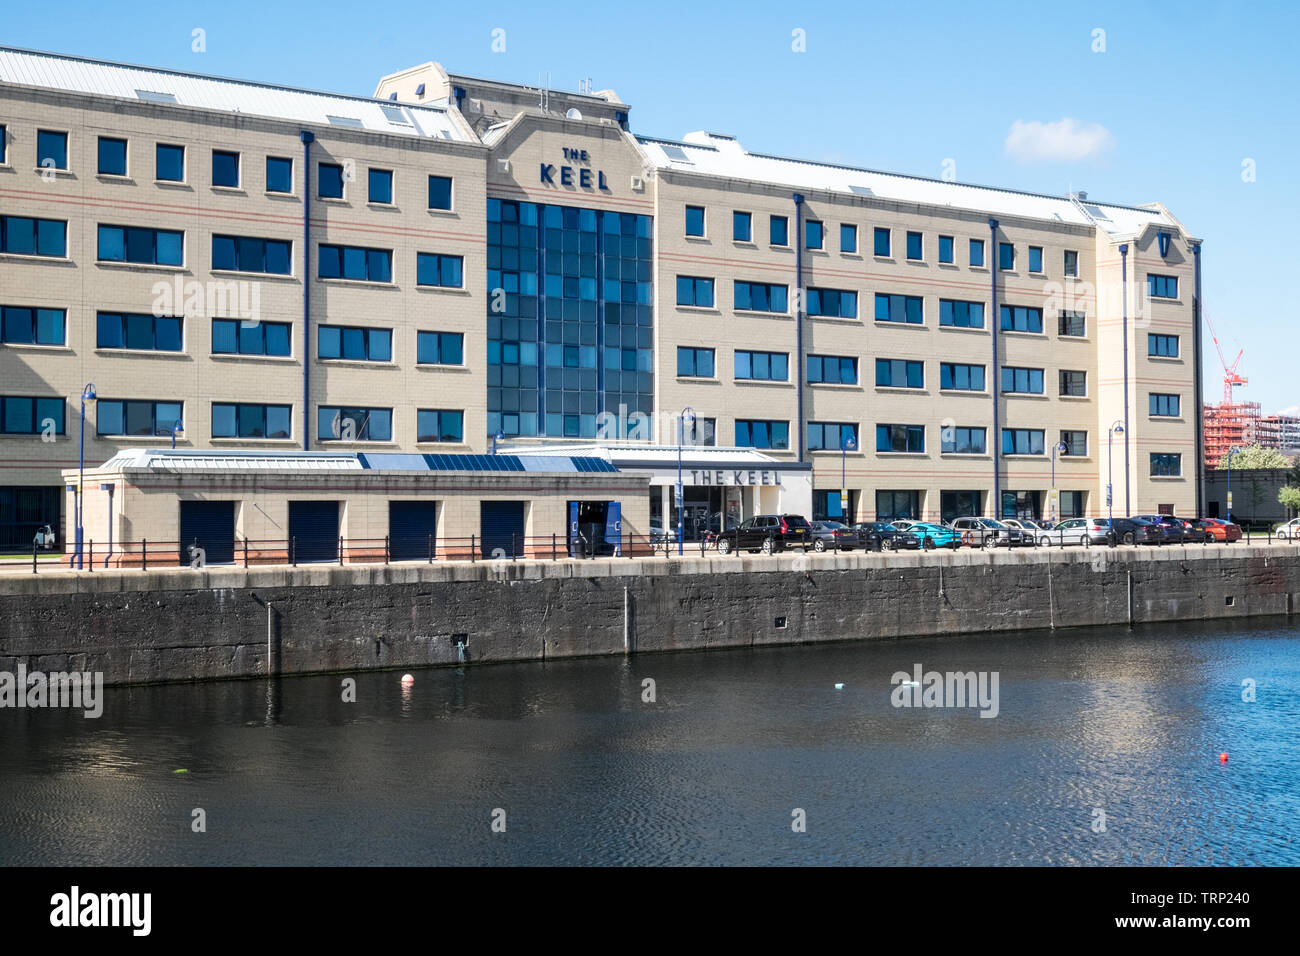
(1231, 452)
(681, 438)
(87, 395)
(496, 438)
(177, 426)
(1051, 493)
(1115, 429)
(846, 446)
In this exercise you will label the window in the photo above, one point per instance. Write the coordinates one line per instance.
(977, 252)
(231, 420)
(1162, 346)
(881, 241)
(742, 227)
(161, 247)
(1166, 466)
(914, 246)
(848, 237)
(695, 220)
(436, 269)
(1074, 384)
(355, 343)
(112, 156)
(24, 325)
(4, 146)
(381, 186)
(225, 168)
(51, 149)
(1162, 287)
(897, 504)
(439, 424)
(169, 163)
(279, 174)
(962, 378)
(1036, 259)
(832, 369)
(1163, 405)
(1022, 441)
(900, 438)
(945, 249)
(439, 192)
(439, 348)
(30, 415)
(1023, 380)
(833, 303)
(763, 366)
(246, 254)
(1072, 504)
(147, 418)
(963, 440)
(354, 262)
(1020, 318)
(760, 297)
(329, 181)
(814, 234)
(695, 290)
(832, 436)
(146, 333)
(1072, 324)
(899, 308)
(24, 236)
(1075, 442)
(1071, 263)
(1006, 256)
(779, 231)
(240, 337)
(899, 373)
(336, 423)
(961, 315)
(755, 433)
(694, 363)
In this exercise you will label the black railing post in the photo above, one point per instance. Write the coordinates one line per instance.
(340, 551)
(514, 545)
(91, 565)
(293, 550)
(33, 556)
(386, 537)
(245, 552)
(431, 549)
(473, 548)
(555, 552)
(144, 554)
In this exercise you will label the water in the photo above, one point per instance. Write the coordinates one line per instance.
(587, 773)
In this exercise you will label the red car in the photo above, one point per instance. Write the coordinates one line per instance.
(1216, 529)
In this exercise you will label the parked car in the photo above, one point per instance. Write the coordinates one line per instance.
(44, 538)
(989, 533)
(1290, 531)
(657, 535)
(835, 535)
(890, 536)
(766, 533)
(933, 536)
(1220, 530)
(1142, 531)
(1026, 526)
(1084, 531)
(1193, 533)
(903, 524)
(1175, 530)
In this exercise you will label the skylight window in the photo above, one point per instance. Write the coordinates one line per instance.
(155, 97)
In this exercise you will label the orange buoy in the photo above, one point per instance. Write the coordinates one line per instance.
(1223, 757)
(408, 679)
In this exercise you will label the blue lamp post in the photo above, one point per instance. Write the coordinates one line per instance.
(1115, 429)
(846, 446)
(1062, 448)
(87, 395)
(686, 413)
(1231, 452)
(496, 438)
(177, 427)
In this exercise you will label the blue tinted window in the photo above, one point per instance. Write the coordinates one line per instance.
(142, 418)
(31, 415)
(145, 246)
(4, 145)
(1022, 441)
(21, 325)
(249, 254)
(1026, 380)
(51, 149)
(1006, 256)
(1019, 318)
(115, 330)
(1168, 405)
(381, 186)
(900, 438)
(833, 369)
(225, 168)
(900, 373)
(1166, 466)
(1164, 346)
(881, 241)
(279, 174)
(434, 269)
(440, 425)
(962, 441)
(329, 181)
(961, 377)
(762, 366)
(848, 237)
(1035, 259)
(961, 315)
(112, 156)
(695, 290)
(835, 303)
(337, 423)
(977, 252)
(439, 192)
(354, 343)
(832, 436)
(170, 163)
(230, 420)
(759, 297)
(814, 234)
(755, 433)
(914, 250)
(741, 226)
(1163, 287)
(945, 249)
(692, 362)
(899, 308)
(21, 235)
(354, 262)
(439, 348)
(694, 220)
(779, 231)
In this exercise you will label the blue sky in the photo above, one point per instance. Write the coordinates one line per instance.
(1182, 95)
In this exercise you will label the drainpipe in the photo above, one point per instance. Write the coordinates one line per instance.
(996, 381)
(307, 139)
(109, 486)
(798, 321)
(1123, 285)
(1196, 358)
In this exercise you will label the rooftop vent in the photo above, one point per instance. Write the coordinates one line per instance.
(346, 121)
(573, 114)
(155, 97)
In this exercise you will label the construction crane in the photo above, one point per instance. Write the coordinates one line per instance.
(1231, 378)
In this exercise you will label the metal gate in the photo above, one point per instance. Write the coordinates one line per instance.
(314, 530)
(412, 530)
(502, 526)
(208, 526)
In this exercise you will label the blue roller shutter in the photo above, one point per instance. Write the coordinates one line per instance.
(502, 524)
(314, 530)
(210, 524)
(412, 530)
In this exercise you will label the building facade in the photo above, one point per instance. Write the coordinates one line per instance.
(454, 263)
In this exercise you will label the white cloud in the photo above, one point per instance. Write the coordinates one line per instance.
(1293, 411)
(1064, 140)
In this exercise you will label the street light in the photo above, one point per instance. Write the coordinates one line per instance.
(87, 395)
(846, 446)
(177, 426)
(496, 438)
(1115, 429)
(1231, 452)
(1062, 448)
(681, 437)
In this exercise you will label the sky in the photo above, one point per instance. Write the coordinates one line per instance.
(1192, 105)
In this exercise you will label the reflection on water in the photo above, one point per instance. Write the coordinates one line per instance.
(1130, 723)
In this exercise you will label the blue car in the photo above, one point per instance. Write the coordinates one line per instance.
(935, 536)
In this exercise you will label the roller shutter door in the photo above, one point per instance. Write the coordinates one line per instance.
(210, 524)
(502, 524)
(412, 530)
(314, 530)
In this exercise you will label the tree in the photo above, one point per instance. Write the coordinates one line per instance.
(1290, 497)
(1254, 457)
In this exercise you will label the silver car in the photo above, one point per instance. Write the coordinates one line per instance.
(1084, 531)
(989, 533)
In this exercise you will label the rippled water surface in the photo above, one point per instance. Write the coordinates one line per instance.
(1128, 723)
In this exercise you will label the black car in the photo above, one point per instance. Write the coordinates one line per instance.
(1174, 530)
(766, 533)
(890, 538)
(835, 536)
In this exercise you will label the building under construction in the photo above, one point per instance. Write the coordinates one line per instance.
(1229, 425)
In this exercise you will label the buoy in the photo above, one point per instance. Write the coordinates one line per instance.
(839, 686)
(1223, 757)
(408, 679)
(180, 771)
